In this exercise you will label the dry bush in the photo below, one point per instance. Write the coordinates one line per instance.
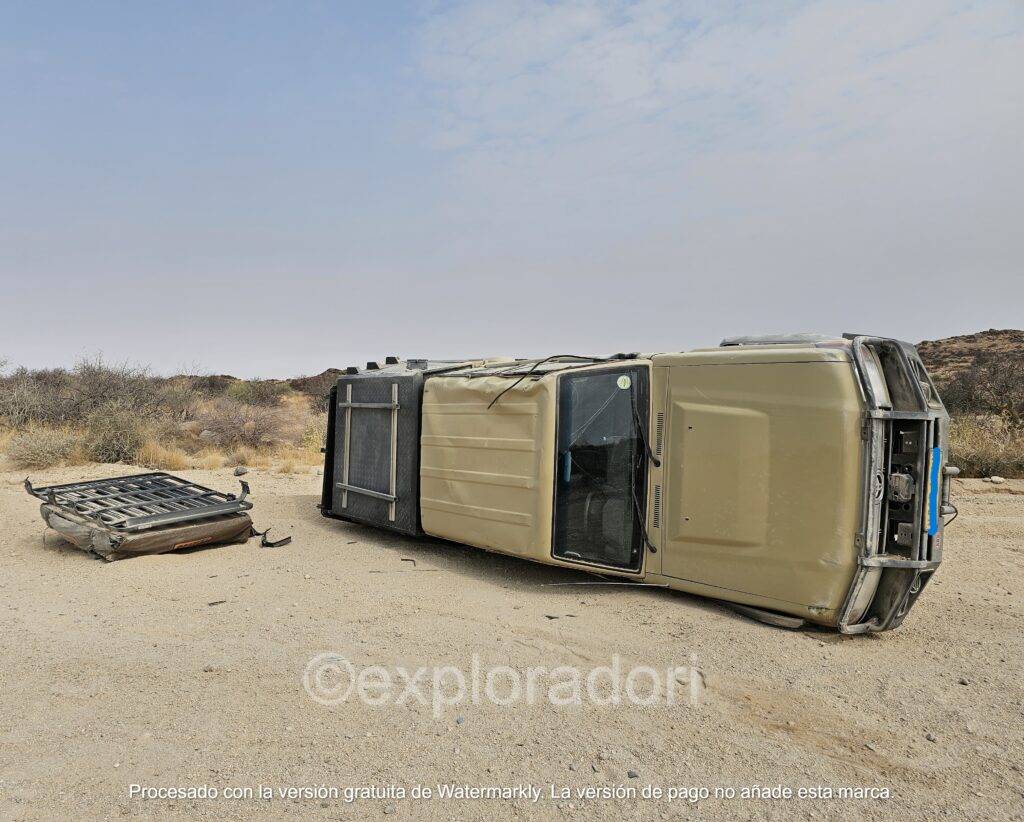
(231, 424)
(37, 398)
(243, 455)
(178, 399)
(39, 447)
(210, 459)
(57, 397)
(990, 386)
(250, 457)
(982, 446)
(290, 458)
(287, 466)
(210, 385)
(315, 436)
(153, 454)
(257, 392)
(98, 385)
(113, 434)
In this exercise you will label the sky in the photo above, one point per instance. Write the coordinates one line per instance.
(274, 188)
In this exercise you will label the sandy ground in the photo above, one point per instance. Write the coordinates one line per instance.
(125, 673)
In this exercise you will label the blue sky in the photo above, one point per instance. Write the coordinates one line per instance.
(273, 188)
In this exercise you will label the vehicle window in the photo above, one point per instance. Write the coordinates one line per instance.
(602, 468)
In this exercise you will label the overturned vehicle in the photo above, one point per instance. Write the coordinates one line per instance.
(798, 478)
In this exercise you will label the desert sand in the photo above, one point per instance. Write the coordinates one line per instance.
(186, 670)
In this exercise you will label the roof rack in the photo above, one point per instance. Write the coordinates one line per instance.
(141, 501)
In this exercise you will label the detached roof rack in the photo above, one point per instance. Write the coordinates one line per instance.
(141, 501)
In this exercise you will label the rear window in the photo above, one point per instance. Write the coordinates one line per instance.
(601, 467)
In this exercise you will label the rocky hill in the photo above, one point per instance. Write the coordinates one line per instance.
(953, 356)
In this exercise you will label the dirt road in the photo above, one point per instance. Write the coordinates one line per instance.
(183, 671)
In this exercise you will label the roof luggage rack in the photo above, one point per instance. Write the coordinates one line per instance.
(141, 501)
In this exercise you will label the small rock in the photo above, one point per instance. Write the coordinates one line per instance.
(964, 681)
(207, 669)
(207, 434)
(931, 737)
(870, 747)
(996, 480)
(572, 767)
(389, 809)
(632, 774)
(593, 768)
(117, 764)
(459, 720)
(241, 471)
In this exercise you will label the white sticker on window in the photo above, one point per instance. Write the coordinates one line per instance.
(624, 382)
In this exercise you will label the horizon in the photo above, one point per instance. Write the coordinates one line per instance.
(277, 189)
(197, 371)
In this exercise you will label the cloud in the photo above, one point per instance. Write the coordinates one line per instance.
(536, 74)
(758, 158)
(657, 113)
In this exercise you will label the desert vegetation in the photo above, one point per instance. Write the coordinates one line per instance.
(121, 413)
(103, 412)
(985, 398)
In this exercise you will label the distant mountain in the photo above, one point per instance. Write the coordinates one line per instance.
(948, 357)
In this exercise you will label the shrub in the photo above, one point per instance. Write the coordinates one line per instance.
(256, 392)
(97, 385)
(56, 397)
(244, 455)
(991, 386)
(232, 424)
(38, 447)
(153, 454)
(178, 399)
(210, 459)
(113, 435)
(981, 446)
(315, 436)
(37, 397)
